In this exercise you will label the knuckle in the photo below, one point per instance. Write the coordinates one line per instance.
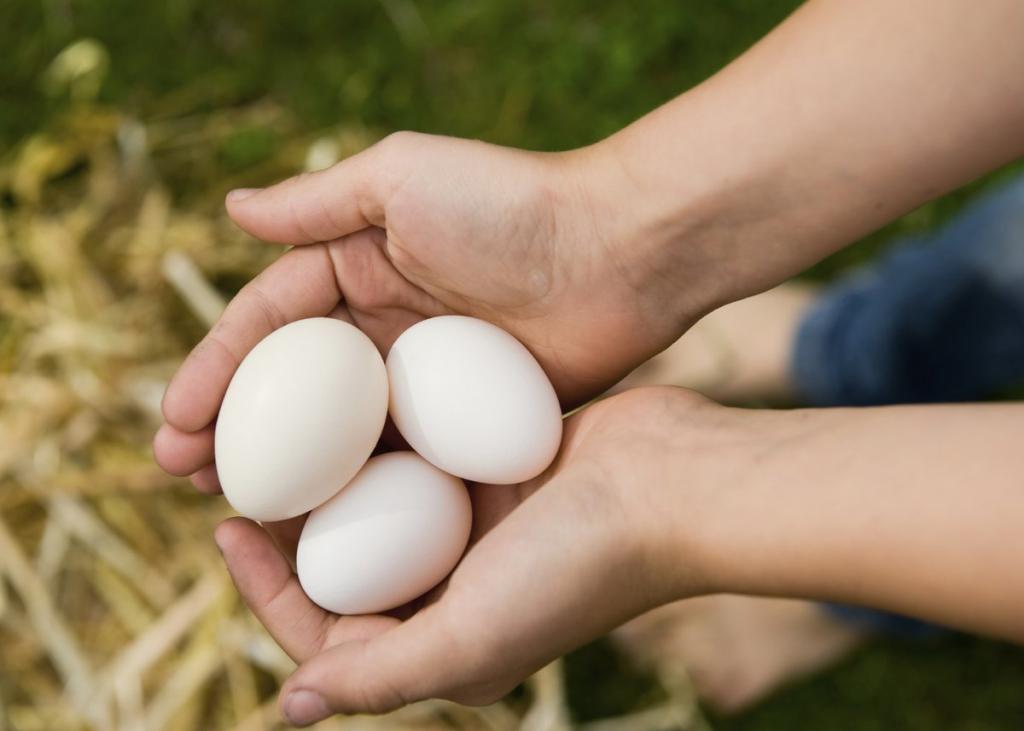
(474, 647)
(399, 142)
(393, 154)
(374, 690)
(379, 695)
(297, 210)
(265, 306)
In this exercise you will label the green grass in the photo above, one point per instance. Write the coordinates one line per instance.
(529, 73)
(955, 683)
(534, 74)
(951, 682)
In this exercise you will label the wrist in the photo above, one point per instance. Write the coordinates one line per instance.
(722, 493)
(676, 221)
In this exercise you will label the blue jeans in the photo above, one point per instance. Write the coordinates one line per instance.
(939, 319)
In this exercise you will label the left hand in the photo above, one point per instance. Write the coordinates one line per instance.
(551, 247)
(547, 570)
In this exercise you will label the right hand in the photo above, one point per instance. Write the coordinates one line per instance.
(547, 246)
(552, 563)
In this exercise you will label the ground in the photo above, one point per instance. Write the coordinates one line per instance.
(528, 73)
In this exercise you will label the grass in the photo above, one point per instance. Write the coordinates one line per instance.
(530, 73)
(954, 683)
(533, 74)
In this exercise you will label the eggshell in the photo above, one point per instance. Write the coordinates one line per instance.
(472, 400)
(391, 535)
(300, 417)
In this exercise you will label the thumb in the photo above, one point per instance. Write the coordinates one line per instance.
(421, 658)
(324, 205)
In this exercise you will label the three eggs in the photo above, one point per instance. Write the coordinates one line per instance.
(305, 411)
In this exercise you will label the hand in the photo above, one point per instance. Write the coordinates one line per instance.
(547, 569)
(418, 226)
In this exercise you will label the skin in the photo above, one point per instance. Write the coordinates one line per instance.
(664, 506)
(478, 613)
(599, 258)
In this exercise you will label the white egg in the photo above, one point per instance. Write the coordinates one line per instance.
(472, 400)
(391, 535)
(300, 417)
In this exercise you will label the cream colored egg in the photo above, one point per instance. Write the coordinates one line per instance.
(300, 417)
(392, 534)
(472, 400)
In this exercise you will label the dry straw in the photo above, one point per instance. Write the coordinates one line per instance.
(115, 611)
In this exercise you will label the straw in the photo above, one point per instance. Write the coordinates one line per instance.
(115, 609)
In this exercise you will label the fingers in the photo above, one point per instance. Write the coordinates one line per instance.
(455, 647)
(449, 648)
(206, 480)
(491, 505)
(376, 674)
(318, 206)
(286, 535)
(490, 628)
(182, 453)
(188, 453)
(300, 284)
(382, 302)
(271, 590)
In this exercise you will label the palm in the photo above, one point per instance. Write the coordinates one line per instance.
(449, 226)
(509, 236)
(524, 544)
(261, 551)
(508, 250)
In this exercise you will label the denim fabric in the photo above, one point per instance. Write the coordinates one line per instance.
(939, 319)
(872, 620)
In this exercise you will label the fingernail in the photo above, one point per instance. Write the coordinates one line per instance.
(303, 707)
(240, 194)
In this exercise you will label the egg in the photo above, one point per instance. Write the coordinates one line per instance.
(391, 535)
(472, 400)
(301, 416)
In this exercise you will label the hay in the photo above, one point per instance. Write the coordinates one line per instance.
(115, 610)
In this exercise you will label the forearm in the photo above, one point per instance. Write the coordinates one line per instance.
(917, 510)
(843, 118)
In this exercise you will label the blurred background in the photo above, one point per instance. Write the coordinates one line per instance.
(122, 125)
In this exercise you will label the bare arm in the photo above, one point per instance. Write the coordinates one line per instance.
(659, 495)
(918, 510)
(846, 116)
